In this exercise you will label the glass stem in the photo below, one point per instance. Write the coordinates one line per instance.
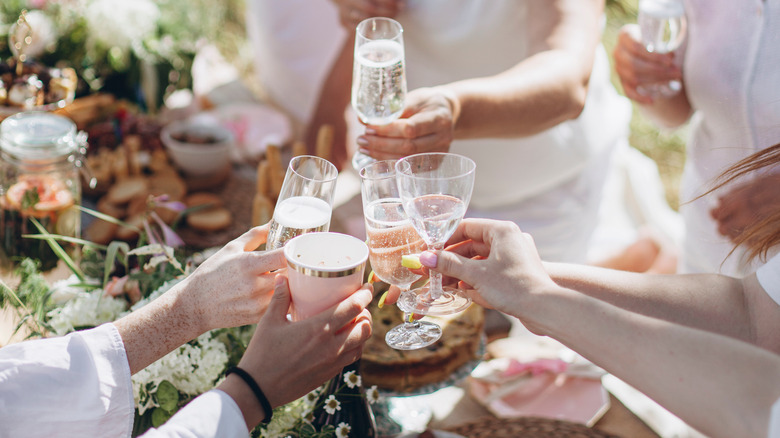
(435, 277)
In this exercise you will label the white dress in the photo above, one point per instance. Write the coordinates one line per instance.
(550, 183)
(731, 71)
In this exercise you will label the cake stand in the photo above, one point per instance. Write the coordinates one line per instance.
(400, 412)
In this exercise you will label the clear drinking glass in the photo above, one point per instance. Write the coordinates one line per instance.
(305, 201)
(435, 190)
(662, 24)
(390, 236)
(378, 75)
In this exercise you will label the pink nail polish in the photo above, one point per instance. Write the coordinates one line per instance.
(429, 259)
(362, 141)
(370, 131)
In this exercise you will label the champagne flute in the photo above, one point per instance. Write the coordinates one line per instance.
(305, 201)
(391, 236)
(662, 24)
(435, 189)
(378, 75)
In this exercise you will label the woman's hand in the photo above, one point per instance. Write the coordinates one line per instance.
(352, 12)
(426, 125)
(496, 259)
(746, 205)
(637, 67)
(289, 359)
(234, 286)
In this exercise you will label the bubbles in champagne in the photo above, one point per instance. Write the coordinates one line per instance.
(379, 81)
(391, 236)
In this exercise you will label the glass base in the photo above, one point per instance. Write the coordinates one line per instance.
(360, 160)
(412, 336)
(668, 89)
(419, 301)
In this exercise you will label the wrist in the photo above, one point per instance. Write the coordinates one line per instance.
(454, 103)
(246, 401)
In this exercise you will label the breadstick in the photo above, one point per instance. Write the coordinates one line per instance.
(262, 210)
(133, 145)
(275, 170)
(263, 181)
(299, 148)
(325, 142)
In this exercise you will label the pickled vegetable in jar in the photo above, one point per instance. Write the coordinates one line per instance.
(40, 156)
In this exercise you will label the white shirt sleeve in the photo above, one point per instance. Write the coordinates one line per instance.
(213, 414)
(774, 421)
(75, 385)
(769, 277)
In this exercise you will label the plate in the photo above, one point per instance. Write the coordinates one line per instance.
(431, 433)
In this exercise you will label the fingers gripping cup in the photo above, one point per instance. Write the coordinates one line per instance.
(323, 269)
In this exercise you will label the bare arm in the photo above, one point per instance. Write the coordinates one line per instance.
(542, 90)
(716, 303)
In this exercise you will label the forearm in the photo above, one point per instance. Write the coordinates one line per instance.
(709, 302)
(690, 372)
(154, 330)
(536, 95)
(669, 113)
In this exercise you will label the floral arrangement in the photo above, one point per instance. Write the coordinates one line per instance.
(115, 45)
(110, 281)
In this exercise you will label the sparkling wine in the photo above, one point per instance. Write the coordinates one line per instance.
(379, 82)
(391, 236)
(662, 25)
(435, 216)
(295, 216)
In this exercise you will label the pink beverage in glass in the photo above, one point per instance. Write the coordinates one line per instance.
(390, 237)
(323, 269)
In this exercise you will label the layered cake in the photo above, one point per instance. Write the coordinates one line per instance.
(406, 371)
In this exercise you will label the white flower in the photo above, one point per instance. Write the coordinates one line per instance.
(65, 290)
(372, 394)
(351, 379)
(87, 309)
(120, 23)
(342, 431)
(332, 405)
(44, 33)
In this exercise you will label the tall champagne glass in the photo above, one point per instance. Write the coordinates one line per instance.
(662, 24)
(390, 237)
(306, 200)
(435, 190)
(378, 75)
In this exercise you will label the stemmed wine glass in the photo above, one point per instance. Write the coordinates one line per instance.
(391, 236)
(662, 24)
(435, 189)
(378, 75)
(305, 201)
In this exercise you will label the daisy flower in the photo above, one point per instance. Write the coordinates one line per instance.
(332, 405)
(373, 394)
(351, 379)
(342, 431)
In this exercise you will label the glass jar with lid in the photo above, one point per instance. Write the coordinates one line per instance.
(40, 157)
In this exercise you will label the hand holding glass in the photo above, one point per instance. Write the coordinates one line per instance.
(662, 24)
(323, 269)
(390, 236)
(435, 189)
(305, 200)
(378, 75)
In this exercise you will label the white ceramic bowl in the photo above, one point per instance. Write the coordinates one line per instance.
(199, 149)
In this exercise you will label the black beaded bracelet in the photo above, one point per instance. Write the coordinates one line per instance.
(250, 382)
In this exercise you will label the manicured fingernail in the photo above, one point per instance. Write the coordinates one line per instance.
(370, 131)
(278, 281)
(382, 299)
(429, 259)
(362, 141)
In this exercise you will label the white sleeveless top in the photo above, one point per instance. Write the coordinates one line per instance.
(732, 77)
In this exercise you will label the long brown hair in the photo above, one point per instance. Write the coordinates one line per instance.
(762, 235)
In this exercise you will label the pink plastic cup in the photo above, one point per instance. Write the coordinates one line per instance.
(323, 269)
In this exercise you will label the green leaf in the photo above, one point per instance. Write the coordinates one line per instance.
(160, 416)
(115, 248)
(58, 250)
(108, 218)
(68, 239)
(167, 396)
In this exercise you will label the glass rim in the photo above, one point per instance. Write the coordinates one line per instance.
(406, 161)
(331, 168)
(389, 174)
(385, 19)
